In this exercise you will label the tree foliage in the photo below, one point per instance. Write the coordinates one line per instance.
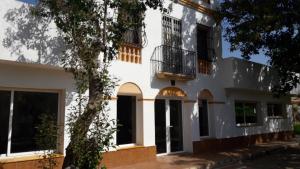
(268, 27)
(92, 32)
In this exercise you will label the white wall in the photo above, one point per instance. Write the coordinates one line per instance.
(223, 116)
(25, 39)
(30, 77)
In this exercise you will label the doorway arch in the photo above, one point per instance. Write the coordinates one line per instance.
(129, 115)
(168, 109)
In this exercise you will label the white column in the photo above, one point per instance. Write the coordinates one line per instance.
(148, 123)
(168, 125)
(189, 123)
(139, 122)
(113, 115)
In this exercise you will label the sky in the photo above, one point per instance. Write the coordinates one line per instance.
(29, 1)
(261, 58)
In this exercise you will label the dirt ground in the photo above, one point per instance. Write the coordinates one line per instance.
(286, 159)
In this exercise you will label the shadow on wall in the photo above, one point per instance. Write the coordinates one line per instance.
(252, 75)
(31, 39)
(189, 21)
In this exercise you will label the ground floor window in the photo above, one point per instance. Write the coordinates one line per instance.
(20, 113)
(203, 118)
(275, 110)
(245, 113)
(126, 120)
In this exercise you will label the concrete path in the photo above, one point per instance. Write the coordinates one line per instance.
(231, 159)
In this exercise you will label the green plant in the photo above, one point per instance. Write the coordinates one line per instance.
(46, 140)
(297, 128)
(271, 28)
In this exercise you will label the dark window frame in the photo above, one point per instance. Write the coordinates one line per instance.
(272, 113)
(204, 129)
(245, 121)
(204, 48)
(131, 130)
(133, 36)
(209, 48)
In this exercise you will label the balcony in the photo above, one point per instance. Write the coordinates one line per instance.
(130, 50)
(173, 63)
(205, 59)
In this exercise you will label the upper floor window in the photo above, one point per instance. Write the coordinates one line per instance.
(207, 1)
(133, 36)
(130, 50)
(20, 114)
(245, 113)
(275, 110)
(205, 52)
(171, 32)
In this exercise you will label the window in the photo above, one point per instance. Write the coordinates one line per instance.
(203, 118)
(207, 1)
(245, 113)
(27, 108)
(275, 110)
(205, 52)
(4, 119)
(133, 36)
(126, 119)
(172, 41)
(130, 50)
(171, 32)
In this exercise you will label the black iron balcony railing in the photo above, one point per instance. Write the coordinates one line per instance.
(171, 62)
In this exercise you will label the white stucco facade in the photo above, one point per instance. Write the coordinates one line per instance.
(231, 80)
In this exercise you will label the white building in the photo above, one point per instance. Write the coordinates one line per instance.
(176, 92)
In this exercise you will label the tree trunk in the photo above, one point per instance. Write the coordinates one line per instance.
(69, 158)
(83, 123)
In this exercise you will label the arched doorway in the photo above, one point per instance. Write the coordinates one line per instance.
(128, 114)
(204, 98)
(168, 120)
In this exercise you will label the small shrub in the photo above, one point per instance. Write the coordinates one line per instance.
(297, 128)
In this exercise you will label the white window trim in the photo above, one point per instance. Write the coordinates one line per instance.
(60, 112)
(246, 124)
(12, 95)
(124, 146)
(22, 154)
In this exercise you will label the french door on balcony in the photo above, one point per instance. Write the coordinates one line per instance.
(172, 42)
(168, 126)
